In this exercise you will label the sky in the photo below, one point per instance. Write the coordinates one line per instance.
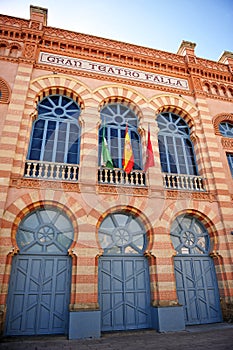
(158, 24)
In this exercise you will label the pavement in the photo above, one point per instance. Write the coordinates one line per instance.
(217, 336)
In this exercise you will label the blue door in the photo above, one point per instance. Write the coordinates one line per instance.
(197, 290)
(39, 289)
(38, 302)
(124, 293)
(124, 287)
(196, 281)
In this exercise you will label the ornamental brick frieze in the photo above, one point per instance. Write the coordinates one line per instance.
(111, 44)
(217, 66)
(43, 184)
(205, 196)
(227, 143)
(191, 59)
(12, 22)
(133, 191)
(197, 84)
(29, 51)
(35, 25)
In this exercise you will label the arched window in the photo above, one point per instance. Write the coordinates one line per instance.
(226, 129)
(189, 236)
(14, 51)
(115, 117)
(231, 91)
(207, 88)
(56, 132)
(223, 91)
(122, 233)
(230, 162)
(215, 89)
(175, 146)
(3, 48)
(45, 231)
(4, 92)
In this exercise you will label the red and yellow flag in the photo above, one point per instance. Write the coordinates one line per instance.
(128, 158)
(149, 153)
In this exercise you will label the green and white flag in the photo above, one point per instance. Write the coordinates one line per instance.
(106, 157)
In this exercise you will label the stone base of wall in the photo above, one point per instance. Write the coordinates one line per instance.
(168, 318)
(227, 311)
(84, 324)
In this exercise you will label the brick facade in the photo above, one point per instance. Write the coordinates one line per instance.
(208, 100)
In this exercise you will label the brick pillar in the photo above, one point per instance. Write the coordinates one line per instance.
(9, 143)
(89, 148)
(216, 183)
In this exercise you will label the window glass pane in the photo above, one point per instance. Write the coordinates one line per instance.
(113, 146)
(121, 233)
(45, 231)
(72, 156)
(175, 147)
(37, 137)
(61, 143)
(115, 117)
(50, 130)
(189, 236)
(226, 129)
(52, 140)
(163, 154)
(136, 150)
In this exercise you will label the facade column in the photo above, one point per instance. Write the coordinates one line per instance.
(211, 165)
(167, 314)
(89, 147)
(85, 315)
(10, 141)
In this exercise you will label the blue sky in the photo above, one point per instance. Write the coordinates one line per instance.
(159, 24)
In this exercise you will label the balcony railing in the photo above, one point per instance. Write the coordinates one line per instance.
(51, 171)
(183, 182)
(69, 172)
(120, 177)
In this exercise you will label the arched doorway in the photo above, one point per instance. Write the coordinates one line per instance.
(39, 289)
(196, 281)
(124, 288)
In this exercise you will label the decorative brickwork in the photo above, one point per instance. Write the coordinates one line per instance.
(4, 92)
(155, 197)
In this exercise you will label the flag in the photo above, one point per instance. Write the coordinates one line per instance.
(149, 153)
(128, 158)
(106, 157)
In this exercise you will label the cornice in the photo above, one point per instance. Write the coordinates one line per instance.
(111, 51)
(14, 22)
(111, 44)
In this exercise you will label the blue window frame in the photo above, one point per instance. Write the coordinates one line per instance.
(45, 231)
(230, 162)
(122, 233)
(56, 132)
(175, 147)
(189, 236)
(226, 129)
(114, 117)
